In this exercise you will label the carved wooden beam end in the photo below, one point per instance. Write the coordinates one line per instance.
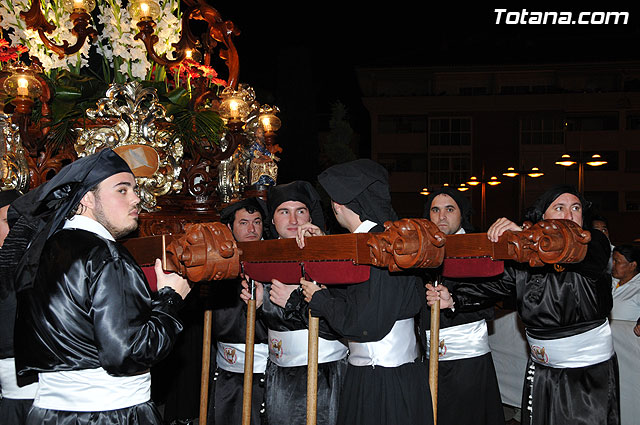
(407, 243)
(549, 242)
(207, 251)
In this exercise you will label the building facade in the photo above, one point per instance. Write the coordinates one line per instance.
(437, 125)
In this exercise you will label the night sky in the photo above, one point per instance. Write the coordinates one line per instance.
(304, 58)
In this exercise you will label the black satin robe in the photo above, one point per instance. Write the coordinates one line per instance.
(467, 382)
(91, 307)
(12, 411)
(286, 387)
(230, 325)
(366, 312)
(556, 303)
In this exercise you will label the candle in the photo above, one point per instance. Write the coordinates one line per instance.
(23, 87)
(233, 108)
(144, 10)
(266, 124)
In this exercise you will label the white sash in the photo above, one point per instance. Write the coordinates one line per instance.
(585, 349)
(289, 349)
(230, 357)
(91, 390)
(9, 384)
(398, 347)
(462, 341)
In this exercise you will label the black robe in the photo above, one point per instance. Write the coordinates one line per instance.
(468, 382)
(229, 325)
(286, 387)
(366, 312)
(12, 411)
(90, 307)
(556, 302)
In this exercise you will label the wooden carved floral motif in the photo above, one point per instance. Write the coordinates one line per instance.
(549, 242)
(407, 243)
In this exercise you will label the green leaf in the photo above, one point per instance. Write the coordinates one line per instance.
(179, 96)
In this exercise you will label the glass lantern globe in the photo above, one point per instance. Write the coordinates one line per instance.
(23, 84)
(233, 107)
(71, 6)
(144, 10)
(270, 122)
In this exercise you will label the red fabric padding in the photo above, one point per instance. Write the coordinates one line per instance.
(325, 272)
(471, 267)
(150, 274)
(336, 272)
(264, 272)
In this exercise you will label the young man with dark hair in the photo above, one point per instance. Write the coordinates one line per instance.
(466, 374)
(246, 220)
(87, 323)
(285, 314)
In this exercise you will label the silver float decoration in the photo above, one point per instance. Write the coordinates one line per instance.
(14, 170)
(127, 119)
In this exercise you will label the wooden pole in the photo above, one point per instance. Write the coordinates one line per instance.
(433, 356)
(247, 389)
(206, 365)
(312, 370)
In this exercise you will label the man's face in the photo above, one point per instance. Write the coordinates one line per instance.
(115, 204)
(567, 207)
(246, 226)
(4, 226)
(602, 226)
(445, 214)
(288, 216)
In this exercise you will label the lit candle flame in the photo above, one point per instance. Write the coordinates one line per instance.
(234, 108)
(144, 10)
(23, 87)
(266, 124)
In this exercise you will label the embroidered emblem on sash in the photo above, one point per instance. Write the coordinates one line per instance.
(539, 354)
(275, 346)
(230, 355)
(442, 348)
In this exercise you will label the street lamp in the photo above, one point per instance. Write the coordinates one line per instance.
(474, 181)
(511, 172)
(594, 160)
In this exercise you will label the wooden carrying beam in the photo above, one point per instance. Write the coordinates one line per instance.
(207, 251)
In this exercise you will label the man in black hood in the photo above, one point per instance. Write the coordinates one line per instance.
(572, 373)
(87, 323)
(246, 219)
(466, 375)
(285, 313)
(386, 381)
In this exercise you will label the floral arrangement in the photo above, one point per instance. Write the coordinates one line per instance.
(123, 57)
(76, 79)
(54, 12)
